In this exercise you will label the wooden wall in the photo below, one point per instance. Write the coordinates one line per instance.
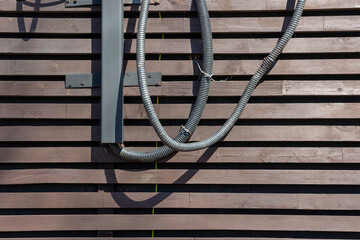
(288, 169)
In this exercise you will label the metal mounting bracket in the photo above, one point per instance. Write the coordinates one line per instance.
(94, 80)
(83, 3)
(113, 79)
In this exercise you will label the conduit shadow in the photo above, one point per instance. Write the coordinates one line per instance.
(121, 198)
(123, 201)
(37, 5)
(290, 5)
(130, 28)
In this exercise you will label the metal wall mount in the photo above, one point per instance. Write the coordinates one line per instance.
(94, 80)
(112, 77)
(84, 3)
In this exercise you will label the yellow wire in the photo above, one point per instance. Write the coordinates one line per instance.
(157, 143)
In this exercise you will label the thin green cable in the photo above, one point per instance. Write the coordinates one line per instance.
(157, 143)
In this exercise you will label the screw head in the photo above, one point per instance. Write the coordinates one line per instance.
(70, 85)
(82, 83)
(149, 76)
(157, 84)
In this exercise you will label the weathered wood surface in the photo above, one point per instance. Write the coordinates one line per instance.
(211, 155)
(180, 5)
(180, 176)
(146, 133)
(301, 135)
(183, 67)
(167, 238)
(181, 111)
(182, 46)
(180, 222)
(182, 25)
(181, 200)
(189, 89)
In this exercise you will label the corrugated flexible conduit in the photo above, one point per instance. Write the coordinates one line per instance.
(195, 116)
(178, 144)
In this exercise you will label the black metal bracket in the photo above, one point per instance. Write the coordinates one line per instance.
(94, 80)
(84, 3)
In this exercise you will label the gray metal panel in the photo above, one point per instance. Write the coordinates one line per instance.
(94, 80)
(112, 66)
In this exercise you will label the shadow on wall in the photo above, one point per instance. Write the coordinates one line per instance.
(123, 201)
(121, 198)
(36, 5)
(290, 5)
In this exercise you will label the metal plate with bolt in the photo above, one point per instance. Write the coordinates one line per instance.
(94, 80)
(79, 3)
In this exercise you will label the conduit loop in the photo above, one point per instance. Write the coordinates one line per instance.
(179, 143)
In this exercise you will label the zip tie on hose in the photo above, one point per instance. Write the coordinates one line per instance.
(186, 130)
(268, 62)
(205, 73)
(208, 75)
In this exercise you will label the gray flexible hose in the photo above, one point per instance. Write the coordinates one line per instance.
(195, 115)
(266, 65)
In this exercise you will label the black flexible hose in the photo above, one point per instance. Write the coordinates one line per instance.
(225, 129)
(195, 115)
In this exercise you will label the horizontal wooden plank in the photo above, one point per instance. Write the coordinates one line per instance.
(180, 222)
(164, 238)
(53, 88)
(189, 89)
(181, 200)
(183, 67)
(210, 155)
(181, 111)
(181, 46)
(180, 176)
(182, 25)
(146, 133)
(181, 5)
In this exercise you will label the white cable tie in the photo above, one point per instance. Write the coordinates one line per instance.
(185, 129)
(209, 75)
(205, 73)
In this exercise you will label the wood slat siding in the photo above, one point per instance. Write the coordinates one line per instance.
(213, 5)
(184, 25)
(189, 89)
(160, 238)
(180, 222)
(214, 155)
(191, 176)
(182, 46)
(288, 169)
(184, 67)
(181, 111)
(238, 133)
(181, 200)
